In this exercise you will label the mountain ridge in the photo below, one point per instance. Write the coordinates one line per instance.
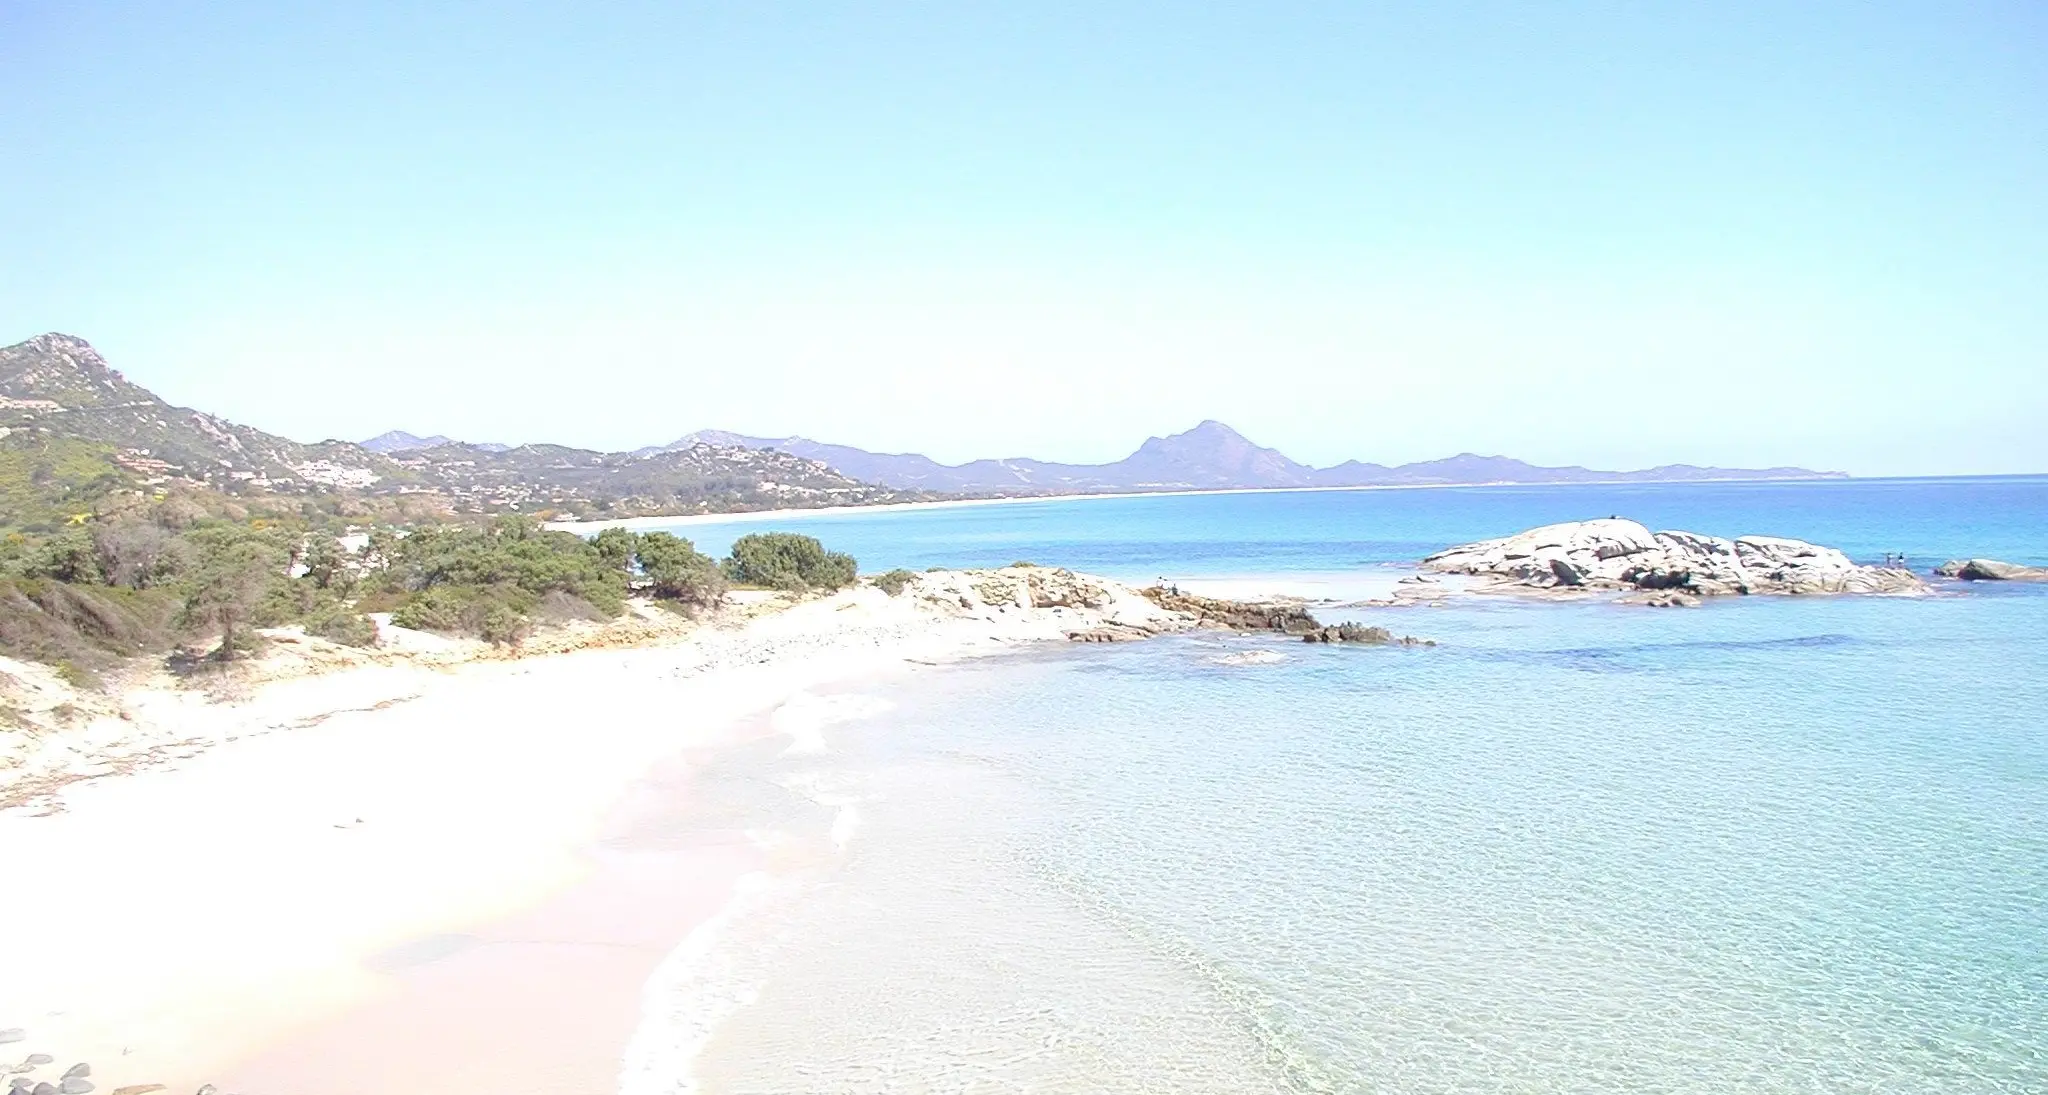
(78, 439)
(1213, 456)
(77, 436)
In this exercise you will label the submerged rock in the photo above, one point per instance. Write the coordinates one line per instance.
(1990, 570)
(1250, 657)
(1663, 598)
(1616, 554)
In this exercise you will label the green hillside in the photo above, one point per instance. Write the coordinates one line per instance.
(80, 438)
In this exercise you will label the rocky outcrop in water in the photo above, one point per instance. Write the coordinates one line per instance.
(1286, 619)
(1990, 570)
(1671, 568)
(1359, 633)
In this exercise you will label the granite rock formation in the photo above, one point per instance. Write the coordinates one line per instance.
(1670, 568)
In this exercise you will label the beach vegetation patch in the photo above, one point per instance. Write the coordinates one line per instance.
(234, 570)
(676, 571)
(892, 582)
(179, 570)
(339, 624)
(665, 566)
(788, 561)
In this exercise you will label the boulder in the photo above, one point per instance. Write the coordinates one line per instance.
(1990, 570)
(1614, 554)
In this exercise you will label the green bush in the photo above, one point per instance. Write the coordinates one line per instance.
(788, 561)
(892, 582)
(502, 624)
(495, 614)
(677, 571)
(67, 557)
(440, 609)
(616, 546)
(341, 625)
(512, 551)
(488, 582)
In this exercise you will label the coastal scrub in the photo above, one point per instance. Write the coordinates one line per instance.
(788, 561)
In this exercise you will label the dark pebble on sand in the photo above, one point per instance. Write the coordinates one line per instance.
(79, 1069)
(45, 1088)
(40, 1059)
(75, 1086)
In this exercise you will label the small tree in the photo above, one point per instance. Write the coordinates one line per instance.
(786, 560)
(676, 570)
(616, 547)
(326, 568)
(228, 580)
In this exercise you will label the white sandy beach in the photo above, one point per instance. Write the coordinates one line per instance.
(684, 520)
(412, 884)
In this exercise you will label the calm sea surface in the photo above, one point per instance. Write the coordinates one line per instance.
(1768, 845)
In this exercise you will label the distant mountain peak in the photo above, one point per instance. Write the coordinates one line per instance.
(59, 342)
(1213, 454)
(391, 441)
(728, 439)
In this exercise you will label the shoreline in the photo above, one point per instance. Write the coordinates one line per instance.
(688, 519)
(180, 944)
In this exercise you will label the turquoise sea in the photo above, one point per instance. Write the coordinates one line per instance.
(1766, 845)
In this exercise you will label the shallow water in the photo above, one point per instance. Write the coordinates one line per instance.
(1771, 844)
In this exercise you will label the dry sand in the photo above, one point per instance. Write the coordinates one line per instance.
(424, 873)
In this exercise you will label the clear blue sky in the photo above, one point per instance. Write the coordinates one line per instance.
(1613, 234)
